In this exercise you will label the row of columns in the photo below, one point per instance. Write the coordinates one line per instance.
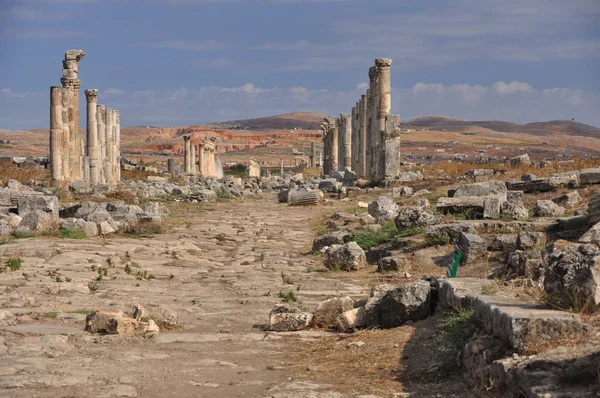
(93, 156)
(206, 162)
(368, 140)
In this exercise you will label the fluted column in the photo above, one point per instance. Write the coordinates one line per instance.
(91, 97)
(383, 108)
(56, 135)
(362, 141)
(117, 139)
(73, 139)
(312, 154)
(186, 154)
(192, 159)
(334, 145)
(109, 146)
(202, 159)
(345, 142)
(354, 129)
(373, 125)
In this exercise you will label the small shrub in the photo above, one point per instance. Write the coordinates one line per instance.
(13, 263)
(128, 269)
(411, 232)
(489, 289)
(93, 286)
(369, 239)
(437, 240)
(24, 235)
(68, 233)
(453, 332)
(287, 297)
(222, 195)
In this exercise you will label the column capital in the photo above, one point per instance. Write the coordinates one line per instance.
(373, 73)
(91, 95)
(70, 83)
(383, 62)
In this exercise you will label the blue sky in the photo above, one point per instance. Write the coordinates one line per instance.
(178, 62)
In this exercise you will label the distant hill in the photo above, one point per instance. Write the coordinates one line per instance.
(565, 127)
(288, 121)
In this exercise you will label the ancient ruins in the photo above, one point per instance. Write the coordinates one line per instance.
(366, 142)
(206, 162)
(93, 156)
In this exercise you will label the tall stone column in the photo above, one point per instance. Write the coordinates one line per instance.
(186, 154)
(362, 146)
(202, 159)
(56, 135)
(383, 109)
(71, 83)
(354, 147)
(334, 132)
(91, 97)
(101, 138)
(373, 125)
(117, 146)
(345, 141)
(109, 146)
(192, 158)
(326, 149)
(312, 154)
(171, 165)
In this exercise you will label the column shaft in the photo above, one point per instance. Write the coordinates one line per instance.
(383, 108)
(92, 134)
(56, 134)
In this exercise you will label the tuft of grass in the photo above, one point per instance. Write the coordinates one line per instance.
(13, 263)
(24, 235)
(144, 275)
(411, 232)
(287, 297)
(437, 240)
(128, 269)
(68, 233)
(146, 230)
(93, 286)
(222, 195)
(369, 239)
(453, 332)
(489, 289)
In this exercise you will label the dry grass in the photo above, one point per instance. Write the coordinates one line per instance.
(126, 196)
(25, 175)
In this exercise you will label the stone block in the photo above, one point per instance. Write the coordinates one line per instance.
(473, 246)
(327, 312)
(347, 257)
(332, 238)
(383, 209)
(352, 319)
(284, 318)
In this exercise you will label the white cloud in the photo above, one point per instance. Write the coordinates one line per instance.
(512, 87)
(113, 91)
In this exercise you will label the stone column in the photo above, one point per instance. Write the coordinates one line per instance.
(345, 141)
(109, 145)
(91, 97)
(117, 138)
(192, 158)
(186, 154)
(101, 118)
(326, 148)
(312, 154)
(171, 165)
(362, 141)
(373, 136)
(383, 108)
(71, 84)
(281, 168)
(354, 129)
(334, 144)
(56, 135)
(202, 159)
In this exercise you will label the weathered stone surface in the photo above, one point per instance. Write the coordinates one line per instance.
(473, 205)
(332, 238)
(78, 224)
(572, 273)
(383, 209)
(327, 312)
(524, 264)
(568, 200)
(528, 177)
(393, 305)
(37, 221)
(285, 318)
(399, 192)
(521, 160)
(7, 318)
(504, 316)
(492, 207)
(48, 204)
(452, 230)
(473, 246)
(302, 197)
(352, 319)
(348, 257)
(105, 228)
(393, 264)
(330, 185)
(567, 178)
(503, 243)
(592, 235)
(162, 316)
(589, 176)
(5, 229)
(547, 208)
(113, 322)
(514, 206)
(527, 240)
(487, 188)
(414, 217)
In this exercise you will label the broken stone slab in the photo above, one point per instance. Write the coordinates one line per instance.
(37, 221)
(568, 200)
(393, 264)
(541, 185)
(330, 185)
(48, 204)
(347, 257)
(383, 209)
(452, 230)
(78, 224)
(473, 246)
(572, 274)
(492, 207)
(113, 322)
(547, 208)
(414, 217)
(592, 235)
(163, 317)
(589, 176)
(521, 160)
(487, 188)
(504, 316)
(528, 240)
(523, 264)
(352, 319)
(284, 318)
(393, 305)
(332, 238)
(564, 179)
(400, 192)
(327, 312)
(298, 197)
(503, 243)
(514, 207)
(474, 205)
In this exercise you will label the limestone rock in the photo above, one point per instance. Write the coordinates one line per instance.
(521, 160)
(589, 176)
(37, 221)
(285, 318)
(592, 235)
(348, 257)
(547, 208)
(383, 209)
(399, 192)
(392, 305)
(113, 322)
(524, 264)
(332, 238)
(530, 240)
(568, 200)
(105, 228)
(7, 318)
(48, 204)
(352, 319)
(473, 247)
(393, 264)
(303, 197)
(452, 230)
(503, 243)
(328, 311)
(487, 188)
(572, 273)
(514, 206)
(415, 217)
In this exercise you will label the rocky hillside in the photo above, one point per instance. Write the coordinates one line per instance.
(288, 121)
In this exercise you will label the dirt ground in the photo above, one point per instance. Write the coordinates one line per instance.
(221, 268)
